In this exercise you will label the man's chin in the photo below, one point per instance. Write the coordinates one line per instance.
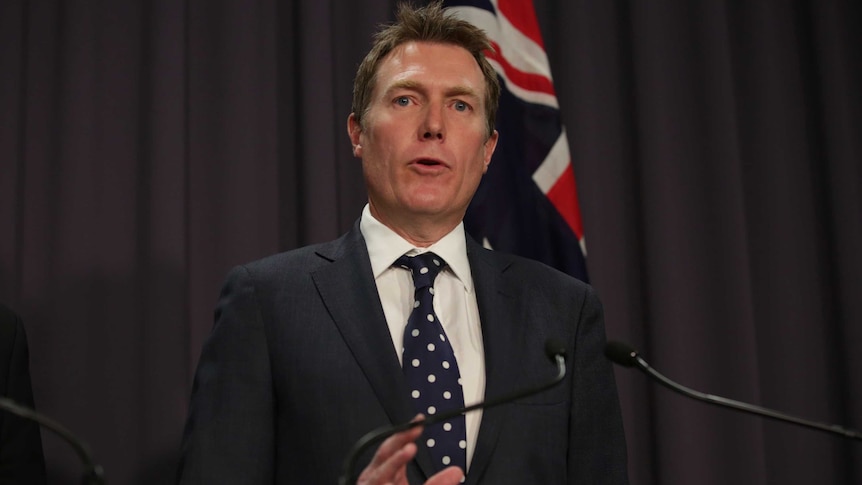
(429, 208)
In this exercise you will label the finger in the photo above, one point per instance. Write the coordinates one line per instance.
(393, 444)
(448, 476)
(391, 471)
(390, 459)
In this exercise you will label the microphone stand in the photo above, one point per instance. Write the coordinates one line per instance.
(93, 473)
(626, 356)
(380, 434)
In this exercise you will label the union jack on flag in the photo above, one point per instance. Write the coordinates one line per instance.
(527, 203)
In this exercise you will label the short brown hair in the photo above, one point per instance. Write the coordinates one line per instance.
(425, 24)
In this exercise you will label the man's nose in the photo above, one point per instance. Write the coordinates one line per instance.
(433, 124)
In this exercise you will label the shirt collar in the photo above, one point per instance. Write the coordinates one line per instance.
(385, 246)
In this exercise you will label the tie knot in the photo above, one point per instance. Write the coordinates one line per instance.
(424, 267)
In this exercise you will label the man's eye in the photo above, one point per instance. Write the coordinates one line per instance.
(402, 101)
(461, 106)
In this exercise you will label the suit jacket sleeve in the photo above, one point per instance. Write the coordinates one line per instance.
(597, 448)
(21, 458)
(229, 433)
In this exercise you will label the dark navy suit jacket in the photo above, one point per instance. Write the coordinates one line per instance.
(300, 364)
(21, 458)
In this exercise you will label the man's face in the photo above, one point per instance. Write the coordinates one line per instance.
(424, 142)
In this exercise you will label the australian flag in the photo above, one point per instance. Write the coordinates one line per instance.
(527, 203)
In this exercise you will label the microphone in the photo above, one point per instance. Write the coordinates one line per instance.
(554, 349)
(93, 473)
(627, 356)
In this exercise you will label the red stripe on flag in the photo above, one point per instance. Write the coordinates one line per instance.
(564, 196)
(522, 16)
(524, 80)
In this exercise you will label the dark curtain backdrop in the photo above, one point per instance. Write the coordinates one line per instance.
(148, 146)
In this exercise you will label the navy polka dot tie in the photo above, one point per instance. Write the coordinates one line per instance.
(430, 368)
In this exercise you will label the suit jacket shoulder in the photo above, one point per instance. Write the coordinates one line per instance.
(292, 267)
(299, 365)
(523, 304)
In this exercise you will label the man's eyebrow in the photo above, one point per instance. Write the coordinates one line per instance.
(413, 85)
(462, 91)
(405, 84)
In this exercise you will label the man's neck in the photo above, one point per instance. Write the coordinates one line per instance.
(419, 231)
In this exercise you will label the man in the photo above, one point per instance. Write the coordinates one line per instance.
(21, 458)
(310, 349)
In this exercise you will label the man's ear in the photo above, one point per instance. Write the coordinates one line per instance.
(490, 146)
(354, 129)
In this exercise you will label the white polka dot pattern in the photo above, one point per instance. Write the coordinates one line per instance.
(432, 373)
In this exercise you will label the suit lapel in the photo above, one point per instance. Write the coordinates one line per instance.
(349, 292)
(503, 337)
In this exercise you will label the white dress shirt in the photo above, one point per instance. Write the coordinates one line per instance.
(454, 303)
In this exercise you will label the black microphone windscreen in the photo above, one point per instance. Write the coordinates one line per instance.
(554, 347)
(620, 353)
